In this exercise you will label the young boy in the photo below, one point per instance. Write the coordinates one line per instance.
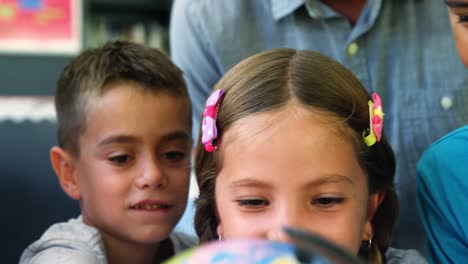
(458, 14)
(124, 144)
(442, 181)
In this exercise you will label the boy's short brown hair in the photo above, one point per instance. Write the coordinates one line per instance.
(93, 72)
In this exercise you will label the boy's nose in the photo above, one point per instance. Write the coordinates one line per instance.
(151, 176)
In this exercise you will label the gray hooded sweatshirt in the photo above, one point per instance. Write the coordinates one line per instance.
(75, 242)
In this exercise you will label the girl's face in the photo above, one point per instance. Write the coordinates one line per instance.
(292, 168)
(458, 13)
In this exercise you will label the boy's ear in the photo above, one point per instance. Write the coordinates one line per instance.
(64, 168)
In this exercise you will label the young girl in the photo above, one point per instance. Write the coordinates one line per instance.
(291, 138)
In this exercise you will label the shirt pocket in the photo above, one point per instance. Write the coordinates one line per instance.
(428, 113)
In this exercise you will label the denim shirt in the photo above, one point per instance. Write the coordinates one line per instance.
(401, 49)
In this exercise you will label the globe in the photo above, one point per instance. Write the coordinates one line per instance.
(304, 248)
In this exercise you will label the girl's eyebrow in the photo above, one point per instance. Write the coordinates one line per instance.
(250, 183)
(326, 179)
(330, 178)
(456, 3)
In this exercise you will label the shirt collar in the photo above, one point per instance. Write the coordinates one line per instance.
(315, 8)
(282, 8)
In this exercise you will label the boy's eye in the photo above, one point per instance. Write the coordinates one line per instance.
(252, 203)
(174, 155)
(327, 202)
(120, 159)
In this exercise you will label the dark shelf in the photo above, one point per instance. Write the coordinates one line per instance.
(129, 11)
(131, 5)
(30, 74)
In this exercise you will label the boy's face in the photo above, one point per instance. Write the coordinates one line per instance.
(458, 13)
(292, 168)
(134, 165)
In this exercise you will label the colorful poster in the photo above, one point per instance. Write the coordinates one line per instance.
(40, 26)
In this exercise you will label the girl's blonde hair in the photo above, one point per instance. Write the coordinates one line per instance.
(271, 79)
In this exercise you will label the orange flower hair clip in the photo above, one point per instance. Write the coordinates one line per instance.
(376, 117)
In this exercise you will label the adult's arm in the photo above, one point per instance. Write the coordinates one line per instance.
(192, 51)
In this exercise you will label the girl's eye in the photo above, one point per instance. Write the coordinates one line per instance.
(120, 159)
(327, 202)
(253, 203)
(174, 155)
(462, 18)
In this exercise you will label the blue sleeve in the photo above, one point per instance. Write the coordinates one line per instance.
(192, 51)
(442, 195)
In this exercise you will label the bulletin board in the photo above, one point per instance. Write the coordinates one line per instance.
(41, 26)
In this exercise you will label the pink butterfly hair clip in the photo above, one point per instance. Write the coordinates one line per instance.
(376, 117)
(209, 129)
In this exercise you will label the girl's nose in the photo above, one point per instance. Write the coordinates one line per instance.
(289, 216)
(278, 234)
(151, 176)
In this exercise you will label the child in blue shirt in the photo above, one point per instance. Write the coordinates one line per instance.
(442, 173)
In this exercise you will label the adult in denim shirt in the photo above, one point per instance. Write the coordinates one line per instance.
(402, 49)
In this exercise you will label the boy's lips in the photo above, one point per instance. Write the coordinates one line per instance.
(151, 205)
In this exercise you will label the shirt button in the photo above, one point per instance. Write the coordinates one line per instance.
(446, 102)
(353, 48)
